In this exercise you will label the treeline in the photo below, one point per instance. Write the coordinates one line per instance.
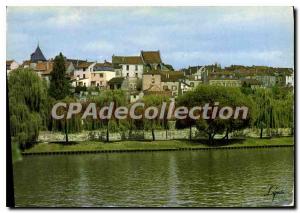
(31, 101)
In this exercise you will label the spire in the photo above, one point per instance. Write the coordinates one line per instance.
(37, 55)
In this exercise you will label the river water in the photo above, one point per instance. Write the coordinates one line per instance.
(222, 178)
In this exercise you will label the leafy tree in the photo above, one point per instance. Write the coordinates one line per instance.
(207, 94)
(59, 83)
(27, 106)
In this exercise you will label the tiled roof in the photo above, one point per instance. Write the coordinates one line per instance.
(84, 64)
(151, 57)
(171, 76)
(127, 60)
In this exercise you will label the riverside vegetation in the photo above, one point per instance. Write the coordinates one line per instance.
(31, 100)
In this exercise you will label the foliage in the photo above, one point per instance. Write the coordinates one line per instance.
(27, 106)
(59, 83)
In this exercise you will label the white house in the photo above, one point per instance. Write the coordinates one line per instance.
(82, 73)
(289, 79)
(128, 66)
(11, 65)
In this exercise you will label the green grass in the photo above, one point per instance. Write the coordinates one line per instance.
(141, 145)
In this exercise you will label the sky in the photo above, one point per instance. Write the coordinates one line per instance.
(185, 36)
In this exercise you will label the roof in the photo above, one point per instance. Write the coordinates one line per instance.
(116, 80)
(152, 72)
(106, 66)
(37, 55)
(171, 76)
(9, 62)
(127, 60)
(84, 64)
(44, 67)
(151, 57)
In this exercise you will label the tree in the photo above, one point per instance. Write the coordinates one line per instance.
(59, 82)
(275, 108)
(207, 94)
(27, 106)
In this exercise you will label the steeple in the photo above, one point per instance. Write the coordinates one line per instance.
(37, 55)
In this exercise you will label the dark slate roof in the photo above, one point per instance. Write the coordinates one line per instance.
(151, 57)
(106, 66)
(37, 55)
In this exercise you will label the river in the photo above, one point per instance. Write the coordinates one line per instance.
(222, 178)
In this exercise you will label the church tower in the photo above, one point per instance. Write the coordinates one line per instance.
(37, 55)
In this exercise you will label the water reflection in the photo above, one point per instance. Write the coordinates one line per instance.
(186, 178)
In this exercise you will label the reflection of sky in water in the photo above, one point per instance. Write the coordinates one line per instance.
(181, 178)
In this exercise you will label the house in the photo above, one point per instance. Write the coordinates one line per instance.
(101, 74)
(128, 66)
(157, 81)
(44, 69)
(11, 65)
(225, 82)
(289, 79)
(116, 83)
(189, 83)
(266, 80)
(82, 73)
(151, 60)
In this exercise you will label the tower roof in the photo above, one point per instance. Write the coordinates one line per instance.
(37, 55)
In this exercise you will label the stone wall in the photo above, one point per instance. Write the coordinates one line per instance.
(173, 134)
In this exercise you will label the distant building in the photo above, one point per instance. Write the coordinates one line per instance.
(225, 82)
(128, 66)
(151, 60)
(82, 73)
(116, 83)
(37, 55)
(289, 79)
(101, 74)
(11, 65)
(156, 81)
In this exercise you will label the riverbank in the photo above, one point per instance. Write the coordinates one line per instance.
(124, 146)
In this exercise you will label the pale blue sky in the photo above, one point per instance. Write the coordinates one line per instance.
(184, 35)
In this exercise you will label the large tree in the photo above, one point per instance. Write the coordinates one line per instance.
(59, 82)
(207, 94)
(27, 106)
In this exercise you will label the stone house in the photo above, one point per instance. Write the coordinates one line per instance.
(82, 73)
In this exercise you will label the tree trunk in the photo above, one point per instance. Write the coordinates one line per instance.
(107, 134)
(166, 134)
(261, 132)
(66, 131)
(190, 133)
(153, 135)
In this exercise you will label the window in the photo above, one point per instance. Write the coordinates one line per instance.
(101, 75)
(127, 67)
(127, 75)
(174, 88)
(83, 75)
(136, 67)
(165, 87)
(97, 84)
(153, 80)
(136, 75)
(83, 69)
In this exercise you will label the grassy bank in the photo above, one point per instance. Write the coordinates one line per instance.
(155, 145)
